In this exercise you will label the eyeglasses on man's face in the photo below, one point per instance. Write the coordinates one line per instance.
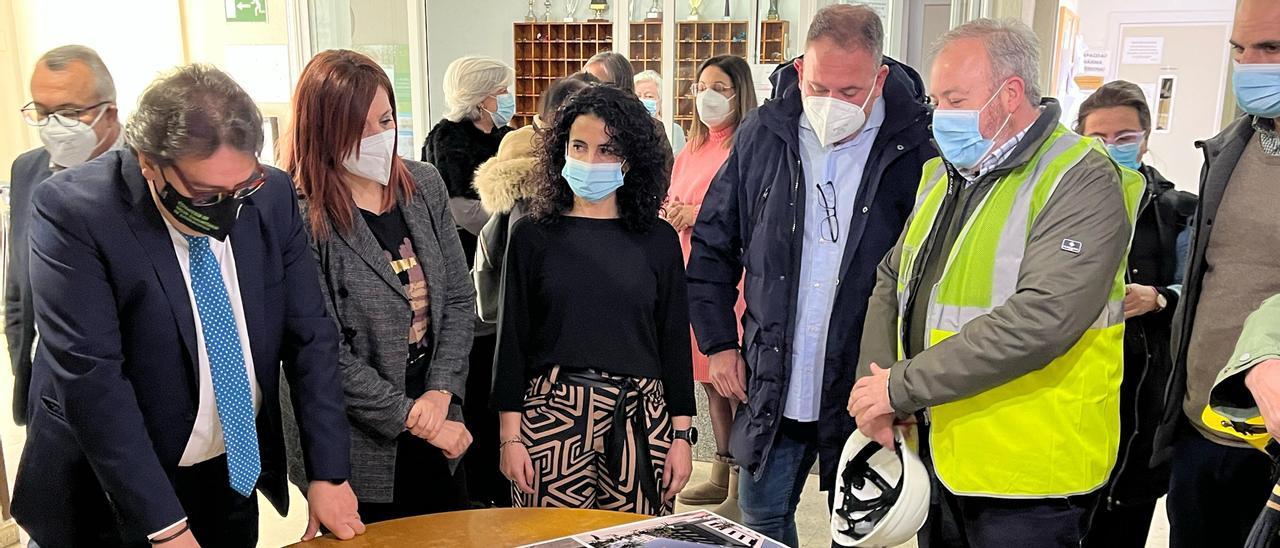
(38, 116)
(203, 195)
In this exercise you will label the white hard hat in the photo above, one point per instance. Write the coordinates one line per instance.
(882, 495)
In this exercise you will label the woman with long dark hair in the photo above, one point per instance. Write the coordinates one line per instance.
(396, 283)
(592, 375)
(723, 95)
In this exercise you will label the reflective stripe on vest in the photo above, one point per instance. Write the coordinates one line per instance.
(1052, 432)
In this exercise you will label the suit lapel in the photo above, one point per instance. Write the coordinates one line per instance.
(367, 248)
(246, 247)
(422, 231)
(152, 233)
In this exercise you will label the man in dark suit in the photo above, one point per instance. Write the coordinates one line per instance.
(172, 283)
(73, 104)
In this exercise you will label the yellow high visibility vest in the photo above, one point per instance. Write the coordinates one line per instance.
(1052, 432)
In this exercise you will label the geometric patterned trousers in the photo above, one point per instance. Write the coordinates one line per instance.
(597, 443)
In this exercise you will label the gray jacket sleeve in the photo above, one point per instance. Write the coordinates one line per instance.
(1059, 295)
(468, 213)
(373, 402)
(449, 368)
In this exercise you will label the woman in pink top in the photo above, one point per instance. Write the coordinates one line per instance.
(723, 95)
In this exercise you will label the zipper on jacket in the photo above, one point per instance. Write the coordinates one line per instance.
(922, 255)
(1190, 287)
(1133, 436)
(786, 339)
(760, 204)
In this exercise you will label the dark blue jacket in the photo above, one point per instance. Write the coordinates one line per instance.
(114, 381)
(28, 170)
(753, 218)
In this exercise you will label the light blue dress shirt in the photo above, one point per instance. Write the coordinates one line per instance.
(820, 259)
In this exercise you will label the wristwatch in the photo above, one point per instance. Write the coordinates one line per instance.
(1161, 302)
(690, 435)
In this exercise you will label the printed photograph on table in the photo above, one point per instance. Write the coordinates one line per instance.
(686, 530)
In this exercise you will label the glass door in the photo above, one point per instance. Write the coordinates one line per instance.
(392, 32)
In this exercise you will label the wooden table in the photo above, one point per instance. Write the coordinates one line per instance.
(490, 528)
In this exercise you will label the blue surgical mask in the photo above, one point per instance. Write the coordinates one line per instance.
(650, 105)
(592, 182)
(506, 109)
(1126, 154)
(1257, 89)
(959, 134)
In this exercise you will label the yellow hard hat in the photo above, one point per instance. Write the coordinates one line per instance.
(1252, 431)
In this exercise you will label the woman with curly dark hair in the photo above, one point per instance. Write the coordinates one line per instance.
(592, 378)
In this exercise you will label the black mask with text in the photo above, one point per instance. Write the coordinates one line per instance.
(214, 220)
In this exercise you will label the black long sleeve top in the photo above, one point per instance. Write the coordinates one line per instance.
(591, 294)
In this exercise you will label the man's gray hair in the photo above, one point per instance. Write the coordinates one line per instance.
(58, 58)
(619, 69)
(192, 112)
(1012, 47)
(850, 26)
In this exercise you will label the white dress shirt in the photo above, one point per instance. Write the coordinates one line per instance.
(206, 436)
(820, 260)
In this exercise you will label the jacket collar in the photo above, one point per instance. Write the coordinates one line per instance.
(149, 228)
(1157, 184)
(152, 233)
(1239, 132)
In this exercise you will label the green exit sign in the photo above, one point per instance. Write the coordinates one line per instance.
(247, 11)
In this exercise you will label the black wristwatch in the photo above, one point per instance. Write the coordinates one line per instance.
(690, 435)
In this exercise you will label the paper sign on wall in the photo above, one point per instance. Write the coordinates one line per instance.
(1095, 62)
(1143, 50)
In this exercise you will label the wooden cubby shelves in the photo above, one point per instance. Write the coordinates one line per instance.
(646, 46)
(774, 38)
(548, 51)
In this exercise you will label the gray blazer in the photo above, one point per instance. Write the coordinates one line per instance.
(373, 314)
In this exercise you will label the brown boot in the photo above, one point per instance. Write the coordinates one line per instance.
(729, 508)
(712, 491)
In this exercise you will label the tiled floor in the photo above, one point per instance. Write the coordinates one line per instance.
(812, 517)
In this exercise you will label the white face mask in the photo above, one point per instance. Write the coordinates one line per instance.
(834, 120)
(713, 108)
(374, 159)
(70, 146)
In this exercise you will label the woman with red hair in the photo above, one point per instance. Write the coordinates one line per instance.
(396, 282)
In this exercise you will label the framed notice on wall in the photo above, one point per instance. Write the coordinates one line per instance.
(1064, 55)
(1166, 89)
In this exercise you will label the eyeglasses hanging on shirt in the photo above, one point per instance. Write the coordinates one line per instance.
(830, 223)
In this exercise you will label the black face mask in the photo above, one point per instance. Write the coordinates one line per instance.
(214, 220)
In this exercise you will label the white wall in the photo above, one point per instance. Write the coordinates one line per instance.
(146, 40)
(1097, 16)
(457, 28)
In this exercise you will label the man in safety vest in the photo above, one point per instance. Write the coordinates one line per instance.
(997, 319)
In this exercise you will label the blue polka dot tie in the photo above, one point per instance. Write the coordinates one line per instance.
(226, 367)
